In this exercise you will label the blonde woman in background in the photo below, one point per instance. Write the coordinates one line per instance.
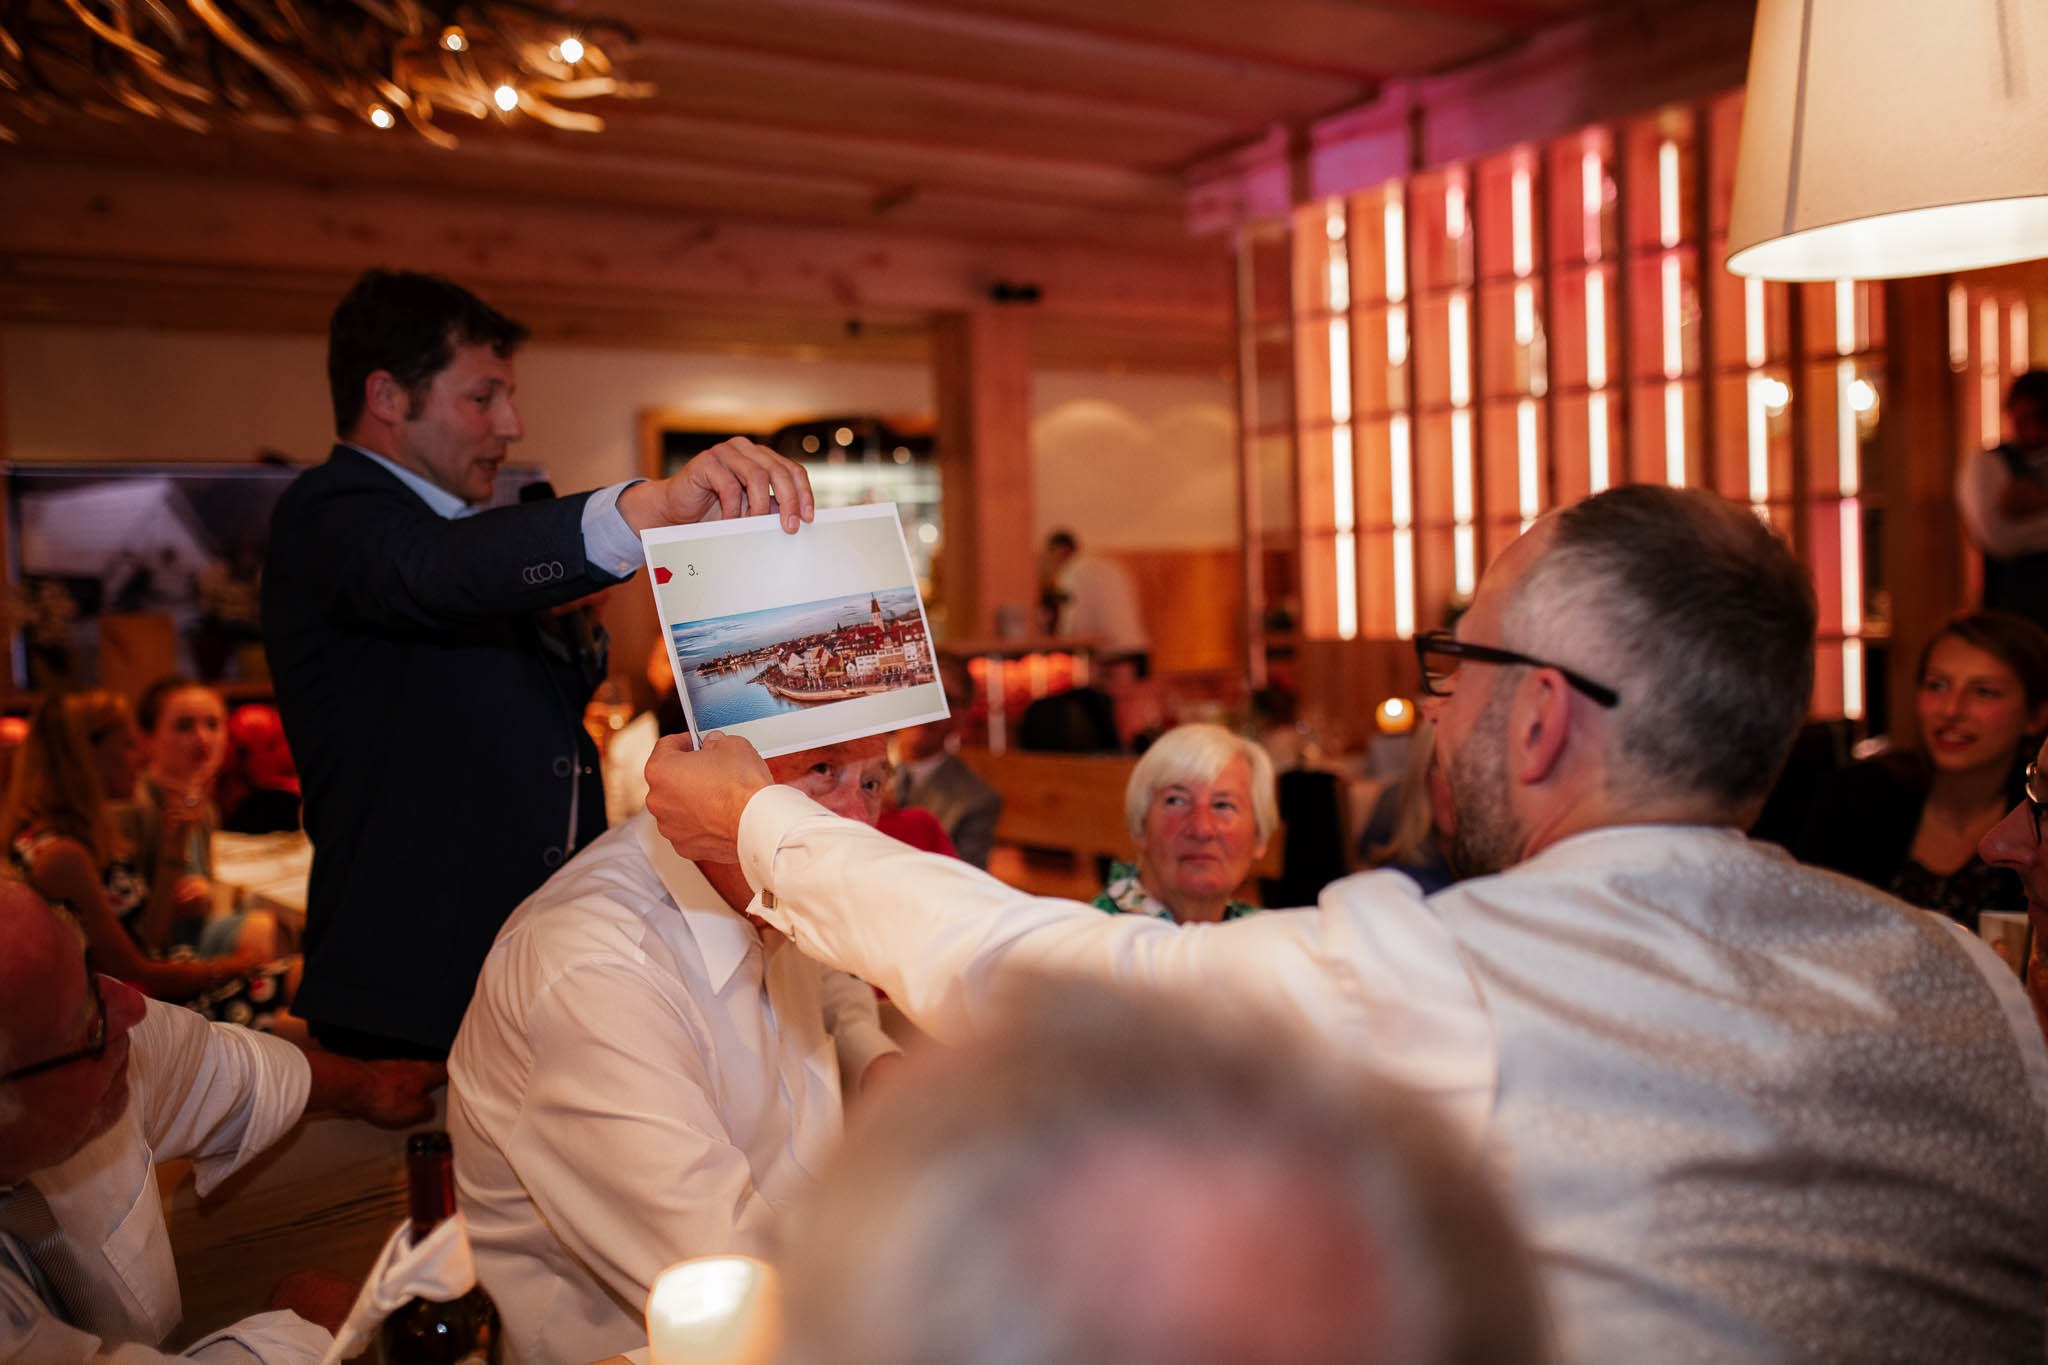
(58, 827)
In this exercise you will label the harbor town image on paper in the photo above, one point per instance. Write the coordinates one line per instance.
(761, 663)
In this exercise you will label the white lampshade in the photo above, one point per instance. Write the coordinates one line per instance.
(715, 1310)
(1883, 138)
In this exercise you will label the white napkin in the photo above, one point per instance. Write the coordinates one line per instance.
(439, 1268)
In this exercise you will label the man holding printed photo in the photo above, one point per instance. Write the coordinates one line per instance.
(438, 726)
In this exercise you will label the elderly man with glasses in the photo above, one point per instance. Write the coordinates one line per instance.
(96, 1085)
(1750, 1111)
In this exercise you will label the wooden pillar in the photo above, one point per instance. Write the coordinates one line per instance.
(1923, 545)
(981, 360)
(1251, 519)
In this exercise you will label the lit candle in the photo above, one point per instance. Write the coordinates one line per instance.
(715, 1310)
(1395, 717)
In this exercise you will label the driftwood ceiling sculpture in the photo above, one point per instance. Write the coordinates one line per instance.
(316, 64)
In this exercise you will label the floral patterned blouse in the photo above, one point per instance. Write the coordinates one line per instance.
(1125, 895)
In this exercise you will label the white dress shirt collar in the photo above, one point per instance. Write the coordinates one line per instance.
(722, 935)
(439, 500)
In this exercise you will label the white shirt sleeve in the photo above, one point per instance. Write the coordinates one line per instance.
(275, 1338)
(31, 1335)
(1373, 971)
(1978, 483)
(618, 1141)
(853, 1021)
(2011, 994)
(608, 542)
(217, 1093)
(1103, 605)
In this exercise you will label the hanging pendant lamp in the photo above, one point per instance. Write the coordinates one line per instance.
(1883, 138)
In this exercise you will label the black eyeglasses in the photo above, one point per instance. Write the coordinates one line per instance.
(95, 1038)
(1436, 678)
(2035, 803)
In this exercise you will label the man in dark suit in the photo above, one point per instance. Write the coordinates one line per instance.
(434, 708)
(929, 777)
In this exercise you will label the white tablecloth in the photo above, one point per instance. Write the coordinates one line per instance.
(265, 871)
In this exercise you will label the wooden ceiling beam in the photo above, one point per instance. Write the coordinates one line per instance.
(1361, 42)
(818, 95)
(882, 167)
(913, 39)
(120, 294)
(1515, 16)
(887, 162)
(628, 174)
(59, 210)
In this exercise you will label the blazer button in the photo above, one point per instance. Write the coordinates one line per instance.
(564, 765)
(551, 857)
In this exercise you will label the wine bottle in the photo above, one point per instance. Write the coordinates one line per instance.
(462, 1331)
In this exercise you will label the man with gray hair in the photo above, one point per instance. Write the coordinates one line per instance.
(1750, 1111)
(1129, 1177)
(97, 1085)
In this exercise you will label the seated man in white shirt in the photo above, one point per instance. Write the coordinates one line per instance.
(96, 1085)
(1751, 1111)
(645, 1074)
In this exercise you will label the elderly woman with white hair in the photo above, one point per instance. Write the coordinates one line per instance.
(1200, 807)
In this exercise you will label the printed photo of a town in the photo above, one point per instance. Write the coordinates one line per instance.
(763, 663)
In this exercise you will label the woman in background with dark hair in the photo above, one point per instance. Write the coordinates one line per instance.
(1909, 821)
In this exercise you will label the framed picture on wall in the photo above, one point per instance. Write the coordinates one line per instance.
(119, 574)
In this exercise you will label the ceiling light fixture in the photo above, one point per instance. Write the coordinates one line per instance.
(296, 64)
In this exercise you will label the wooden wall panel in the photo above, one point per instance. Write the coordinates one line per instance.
(1192, 602)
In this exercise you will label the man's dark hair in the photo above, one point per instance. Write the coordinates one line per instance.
(409, 324)
(1700, 618)
(2031, 387)
(1062, 540)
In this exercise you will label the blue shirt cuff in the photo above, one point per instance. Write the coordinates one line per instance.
(608, 543)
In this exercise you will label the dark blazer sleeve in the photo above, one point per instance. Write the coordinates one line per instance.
(381, 560)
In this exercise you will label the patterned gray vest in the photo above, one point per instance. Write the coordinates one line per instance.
(1752, 1111)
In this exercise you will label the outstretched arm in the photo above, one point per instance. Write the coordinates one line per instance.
(382, 557)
